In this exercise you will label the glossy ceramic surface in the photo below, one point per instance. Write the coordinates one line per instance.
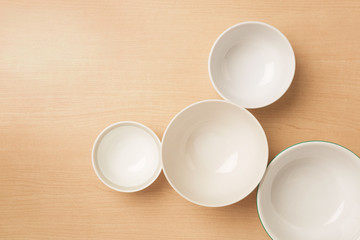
(214, 153)
(311, 191)
(251, 64)
(126, 156)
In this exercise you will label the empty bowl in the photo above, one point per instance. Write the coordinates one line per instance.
(251, 64)
(311, 191)
(214, 153)
(126, 156)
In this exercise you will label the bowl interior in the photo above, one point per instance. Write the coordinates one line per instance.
(312, 191)
(252, 64)
(214, 153)
(126, 156)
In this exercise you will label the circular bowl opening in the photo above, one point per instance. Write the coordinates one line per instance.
(214, 153)
(126, 156)
(251, 64)
(311, 191)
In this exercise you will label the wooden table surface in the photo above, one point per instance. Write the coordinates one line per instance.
(70, 68)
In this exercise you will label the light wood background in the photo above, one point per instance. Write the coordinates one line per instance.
(70, 68)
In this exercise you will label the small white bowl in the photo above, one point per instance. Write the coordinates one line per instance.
(126, 156)
(214, 153)
(251, 64)
(311, 191)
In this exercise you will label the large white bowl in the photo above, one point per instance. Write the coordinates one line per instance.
(311, 191)
(251, 64)
(126, 156)
(214, 153)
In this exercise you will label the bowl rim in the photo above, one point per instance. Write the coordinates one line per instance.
(110, 128)
(201, 102)
(289, 82)
(258, 195)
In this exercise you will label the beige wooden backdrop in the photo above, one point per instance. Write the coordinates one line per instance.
(70, 68)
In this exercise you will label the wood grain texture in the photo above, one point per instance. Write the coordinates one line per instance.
(70, 68)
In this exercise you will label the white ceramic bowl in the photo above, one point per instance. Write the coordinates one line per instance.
(214, 153)
(251, 64)
(311, 191)
(126, 156)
